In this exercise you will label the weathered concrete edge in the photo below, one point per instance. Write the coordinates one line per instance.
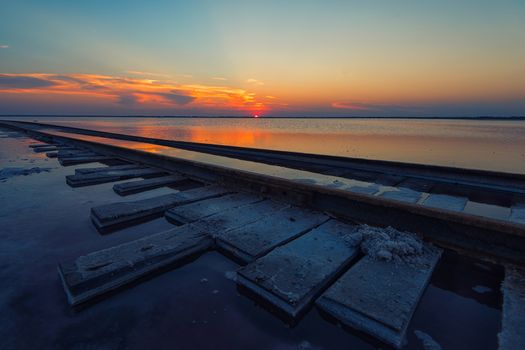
(475, 235)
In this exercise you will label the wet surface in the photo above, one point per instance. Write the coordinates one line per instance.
(478, 144)
(44, 221)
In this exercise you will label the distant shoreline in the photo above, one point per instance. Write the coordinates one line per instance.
(250, 117)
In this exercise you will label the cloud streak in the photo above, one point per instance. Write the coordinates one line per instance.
(134, 92)
(254, 82)
(4, 46)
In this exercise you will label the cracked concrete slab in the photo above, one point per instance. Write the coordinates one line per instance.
(254, 240)
(291, 276)
(199, 210)
(106, 270)
(379, 297)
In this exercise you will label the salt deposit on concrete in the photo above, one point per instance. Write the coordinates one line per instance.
(512, 335)
(8, 172)
(387, 243)
(428, 342)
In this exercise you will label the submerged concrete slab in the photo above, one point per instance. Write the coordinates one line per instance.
(254, 240)
(82, 160)
(379, 297)
(113, 216)
(403, 195)
(444, 201)
(106, 270)
(202, 209)
(370, 190)
(517, 214)
(39, 145)
(512, 335)
(49, 148)
(79, 180)
(109, 168)
(76, 153)
(291, 276)
(131, 187)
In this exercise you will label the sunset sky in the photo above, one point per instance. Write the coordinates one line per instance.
(272, 58)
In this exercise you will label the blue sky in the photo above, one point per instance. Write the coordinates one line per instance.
(275, 58)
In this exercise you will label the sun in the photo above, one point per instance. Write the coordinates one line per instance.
(256, 116)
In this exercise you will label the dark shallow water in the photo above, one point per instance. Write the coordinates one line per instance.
(44, 221)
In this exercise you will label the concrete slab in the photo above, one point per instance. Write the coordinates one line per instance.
(202, 209)
(79, 180)
(52, 154)
(131, 187)
(371, 190)
(254, 240)
(389, 180)
(51, 148)
(76, 153)
(106, 270)
(379, 297)
(234, 218)
(403, 194)
(291, 276)
(443, 201)
(512, 335)
(82, 160)
(109, 168)
(39, 145)
(420, 185)
(517, 214)
(110, 217)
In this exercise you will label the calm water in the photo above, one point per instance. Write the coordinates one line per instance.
(491, 145)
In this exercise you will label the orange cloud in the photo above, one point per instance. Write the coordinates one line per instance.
(135, 91)
(353, 105)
